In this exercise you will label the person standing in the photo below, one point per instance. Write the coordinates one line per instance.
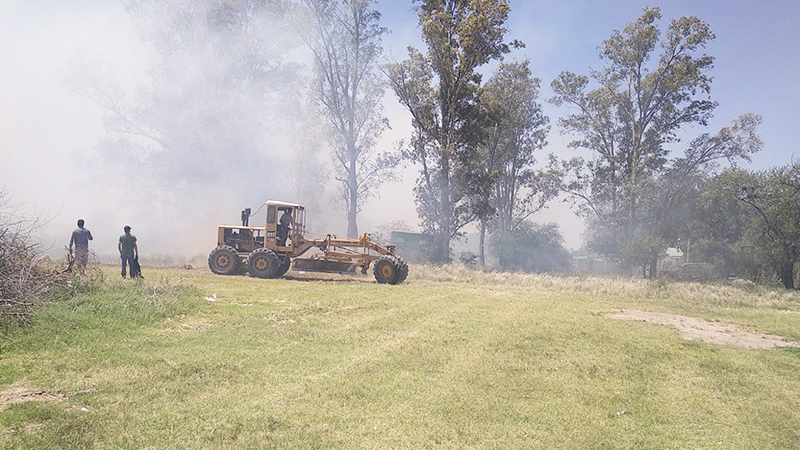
(80, 238)
(128, 250)
(284, 226)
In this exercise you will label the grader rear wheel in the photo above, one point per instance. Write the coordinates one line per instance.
(390, 270)
(263, 263)
(223, 260)
(403, 271)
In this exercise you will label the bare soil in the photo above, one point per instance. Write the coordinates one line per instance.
(14, 395)
(707, 331)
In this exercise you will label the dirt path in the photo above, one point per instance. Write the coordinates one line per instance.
(706, 330)
(14, 395)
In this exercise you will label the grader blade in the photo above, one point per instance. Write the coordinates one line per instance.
(323, 265)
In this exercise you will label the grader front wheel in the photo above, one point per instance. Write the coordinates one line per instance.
(390, 270)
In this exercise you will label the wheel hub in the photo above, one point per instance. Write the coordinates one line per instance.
(261, 264)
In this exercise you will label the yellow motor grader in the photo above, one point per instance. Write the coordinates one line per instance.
(269, 251)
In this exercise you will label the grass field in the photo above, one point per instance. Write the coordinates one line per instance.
(452, 358)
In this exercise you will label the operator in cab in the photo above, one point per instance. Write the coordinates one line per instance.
(284, 226)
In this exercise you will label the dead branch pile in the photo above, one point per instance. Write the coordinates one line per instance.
(26, 279)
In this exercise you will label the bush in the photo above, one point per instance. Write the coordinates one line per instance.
(699, 272)
(532, 248)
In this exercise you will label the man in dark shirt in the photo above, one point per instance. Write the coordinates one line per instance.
(128, 250)
(81, 237)
(283, 226)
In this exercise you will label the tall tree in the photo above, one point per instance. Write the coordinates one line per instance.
(345, 37)
(648, 90)
(440, 90)
(506, 188)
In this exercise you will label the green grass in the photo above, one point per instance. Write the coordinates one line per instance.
(451, 359)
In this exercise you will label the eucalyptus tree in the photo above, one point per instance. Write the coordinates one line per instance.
(504, 184)
(440, 90)
(637, 107)
(650, 87)
(345, 38)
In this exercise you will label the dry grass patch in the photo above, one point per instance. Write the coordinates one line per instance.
(739, 293)
(184, 324)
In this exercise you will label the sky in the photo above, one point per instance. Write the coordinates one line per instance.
(47, 131)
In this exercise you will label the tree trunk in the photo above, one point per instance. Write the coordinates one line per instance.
(653, 266)
(442, 250)
(482, 251)
(352, 187)
(786, 274)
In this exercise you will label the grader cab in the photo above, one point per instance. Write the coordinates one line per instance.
(270, 251)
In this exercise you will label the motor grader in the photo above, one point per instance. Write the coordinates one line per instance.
(269, 251)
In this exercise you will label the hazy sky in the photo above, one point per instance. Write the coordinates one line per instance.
(46, 131)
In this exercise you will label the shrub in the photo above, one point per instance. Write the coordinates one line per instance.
(531, 248)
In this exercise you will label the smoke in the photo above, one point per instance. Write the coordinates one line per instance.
(169, 116)
(208, 122)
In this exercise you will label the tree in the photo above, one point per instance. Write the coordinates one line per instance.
(345, 38)
(670, 198)
(774, 197)
(503, 183)
(440, 90)
(643, 99)
(636, 109)
(719, 223)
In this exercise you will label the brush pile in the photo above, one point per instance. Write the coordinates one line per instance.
(26, 279)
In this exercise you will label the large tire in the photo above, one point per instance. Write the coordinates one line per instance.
(284, 267)
(388, 269)
(223, 260)
(403, 271)
(263, 263)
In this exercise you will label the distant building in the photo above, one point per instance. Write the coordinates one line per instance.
(413, 247)
(675, 255)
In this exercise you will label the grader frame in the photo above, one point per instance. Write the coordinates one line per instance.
(269, 251)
